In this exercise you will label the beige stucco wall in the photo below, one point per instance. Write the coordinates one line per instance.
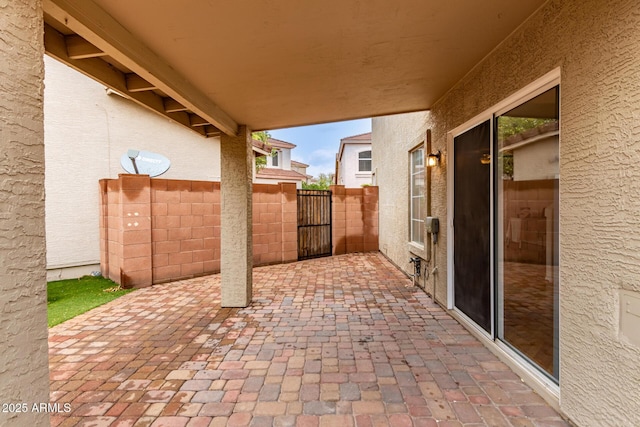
(392, 139)
(596, 45)
(24, 373)
(86, 133)
(236, 219)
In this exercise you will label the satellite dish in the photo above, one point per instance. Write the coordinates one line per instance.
(144, 163)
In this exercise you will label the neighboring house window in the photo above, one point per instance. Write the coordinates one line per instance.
(364, 161)
(274, 158)
(417, 209)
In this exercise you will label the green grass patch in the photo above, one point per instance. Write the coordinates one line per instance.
(68, 298)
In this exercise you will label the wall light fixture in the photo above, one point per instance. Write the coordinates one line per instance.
(433, 159)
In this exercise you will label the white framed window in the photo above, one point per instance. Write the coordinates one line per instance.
(364, 161)
(275, 158)
(417, 207)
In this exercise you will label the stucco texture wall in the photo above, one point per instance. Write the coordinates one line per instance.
(392, 139)
(596, 46)
(86, 133)
(24, 373)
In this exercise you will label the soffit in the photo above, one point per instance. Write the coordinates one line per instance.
(278, 63)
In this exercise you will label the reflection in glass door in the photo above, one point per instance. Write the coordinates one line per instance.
(527, 177)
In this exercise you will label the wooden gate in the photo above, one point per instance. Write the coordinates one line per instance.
(314, 224)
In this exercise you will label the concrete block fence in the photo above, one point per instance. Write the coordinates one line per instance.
(159, 230)
(355, 219)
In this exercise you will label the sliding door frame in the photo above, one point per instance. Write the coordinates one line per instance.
(530, 91)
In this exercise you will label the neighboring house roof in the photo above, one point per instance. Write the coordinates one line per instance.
(261, 147)
(363, 138)
(274, 173)
(266, 147)
(299, 164)
(280, 144)
(359, 137)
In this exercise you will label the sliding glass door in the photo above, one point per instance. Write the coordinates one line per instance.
(505, 229)
(527, 200)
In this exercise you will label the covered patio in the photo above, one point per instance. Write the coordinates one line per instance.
(345, 340)
(222, 69)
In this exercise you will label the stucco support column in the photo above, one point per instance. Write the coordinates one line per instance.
(24, 370)
(236, 243)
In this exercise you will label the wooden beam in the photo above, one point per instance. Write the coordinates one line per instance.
(102, 72)
(91, 22)
(135, 83)
(173, 106)
(212, 131)
(79, 48)
(197, 120)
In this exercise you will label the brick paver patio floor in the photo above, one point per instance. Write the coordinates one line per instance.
(342, 341)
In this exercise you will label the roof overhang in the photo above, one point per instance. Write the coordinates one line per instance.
(260, 148)
(211, 64)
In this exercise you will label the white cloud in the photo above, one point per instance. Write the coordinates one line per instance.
(321, 161)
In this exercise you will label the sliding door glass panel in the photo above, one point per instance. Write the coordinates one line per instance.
(527, 177)
(472, 224)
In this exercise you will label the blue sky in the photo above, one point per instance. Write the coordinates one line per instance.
(317, 145)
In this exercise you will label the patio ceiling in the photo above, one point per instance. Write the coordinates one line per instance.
(211, 65)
